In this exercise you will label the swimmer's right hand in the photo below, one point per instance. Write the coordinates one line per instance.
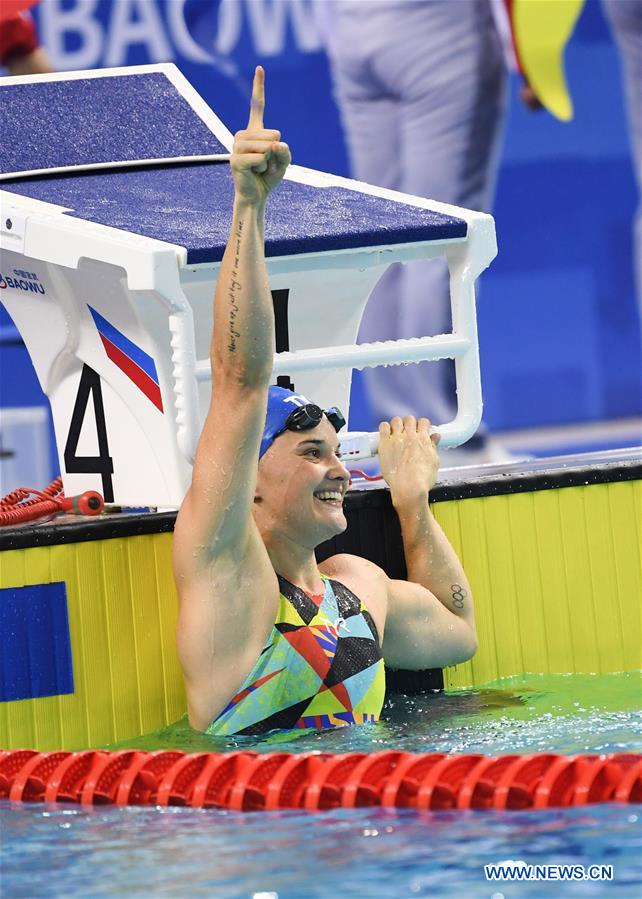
(259, 158)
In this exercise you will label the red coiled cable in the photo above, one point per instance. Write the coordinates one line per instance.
(26, 504)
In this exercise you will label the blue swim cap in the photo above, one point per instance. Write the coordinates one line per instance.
(284, 408)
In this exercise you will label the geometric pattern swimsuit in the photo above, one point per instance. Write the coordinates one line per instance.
(321, 667)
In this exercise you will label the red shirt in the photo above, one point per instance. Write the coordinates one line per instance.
(17, 37)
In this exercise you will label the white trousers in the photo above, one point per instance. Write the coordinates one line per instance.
(625, 18)
(421, 89)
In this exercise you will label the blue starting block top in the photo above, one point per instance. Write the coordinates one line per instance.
(130, 117)
(83, 121)
(192, 206)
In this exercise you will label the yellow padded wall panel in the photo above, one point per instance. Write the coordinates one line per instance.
(122, 609)
(167, 606)
(120, 635)
(625, 514)
(95, 661)
(577, 577)
(147, 633)
(560, 579)
(528, 596)
(602, 559)
(556, 577)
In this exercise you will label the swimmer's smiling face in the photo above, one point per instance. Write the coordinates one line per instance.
(301, 485)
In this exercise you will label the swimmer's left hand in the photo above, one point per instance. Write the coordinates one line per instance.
(259, 158)
(409, 458)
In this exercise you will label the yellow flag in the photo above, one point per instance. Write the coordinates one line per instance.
(541, 29)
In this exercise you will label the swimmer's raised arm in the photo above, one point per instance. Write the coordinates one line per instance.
(430, 621)
(242, 350)
(243, 336)
(216, 543)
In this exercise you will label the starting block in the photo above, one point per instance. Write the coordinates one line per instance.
(115, 212)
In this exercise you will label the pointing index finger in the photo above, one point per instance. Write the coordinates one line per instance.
(257, 105)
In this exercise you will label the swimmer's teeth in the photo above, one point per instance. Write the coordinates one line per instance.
(329, 495)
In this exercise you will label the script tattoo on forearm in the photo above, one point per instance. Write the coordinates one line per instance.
(459, 595)
(234, 287)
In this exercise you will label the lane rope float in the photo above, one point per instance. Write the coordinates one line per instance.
(250, 781)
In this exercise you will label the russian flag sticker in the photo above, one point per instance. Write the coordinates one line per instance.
(130, 359)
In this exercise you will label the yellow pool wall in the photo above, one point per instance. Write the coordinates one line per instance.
(556, 577)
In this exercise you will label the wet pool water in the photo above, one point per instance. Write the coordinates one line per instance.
(369, 853)
(365, 853)
(532, 713)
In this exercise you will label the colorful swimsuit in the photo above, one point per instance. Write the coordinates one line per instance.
(321, 667)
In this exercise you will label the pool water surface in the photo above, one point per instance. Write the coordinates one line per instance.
(51, 851)
(532, 713)
(366, 853)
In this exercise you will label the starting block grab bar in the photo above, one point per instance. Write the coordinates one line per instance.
(364, 355)
(360, 445)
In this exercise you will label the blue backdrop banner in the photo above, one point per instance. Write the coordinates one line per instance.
(558, 317)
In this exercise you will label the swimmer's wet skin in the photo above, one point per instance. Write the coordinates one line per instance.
(268, 639)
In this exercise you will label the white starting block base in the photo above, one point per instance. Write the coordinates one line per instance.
(118, 323)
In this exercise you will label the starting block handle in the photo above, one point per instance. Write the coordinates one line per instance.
(357, 445)
(368, 355)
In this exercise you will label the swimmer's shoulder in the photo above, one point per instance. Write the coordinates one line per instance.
(346, 563)
(365, 579)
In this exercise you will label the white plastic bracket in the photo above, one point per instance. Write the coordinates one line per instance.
(13, 227)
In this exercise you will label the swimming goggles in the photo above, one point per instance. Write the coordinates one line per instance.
(308, 416)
